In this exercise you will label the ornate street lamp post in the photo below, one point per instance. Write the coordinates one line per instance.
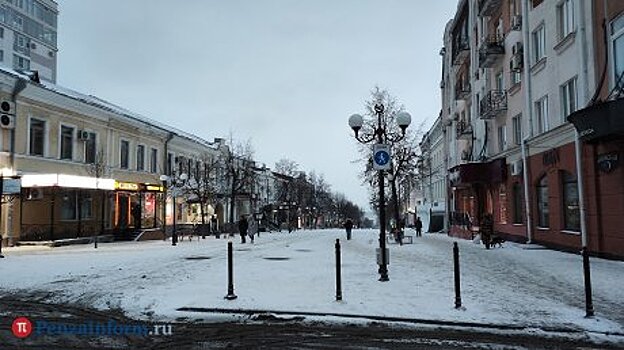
(380, 136)
(173, 183)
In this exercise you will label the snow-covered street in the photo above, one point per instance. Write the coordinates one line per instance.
(516, 285)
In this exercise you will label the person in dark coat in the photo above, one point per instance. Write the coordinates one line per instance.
(418, 225)
(242, 228)
(487, 228)
(213, 226)
(348, 225)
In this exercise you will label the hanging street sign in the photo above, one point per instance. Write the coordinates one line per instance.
(381, 157)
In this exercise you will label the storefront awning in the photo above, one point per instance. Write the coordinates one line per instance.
(599, 121)
(472, 173)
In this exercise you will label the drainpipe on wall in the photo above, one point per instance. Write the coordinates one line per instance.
(529, 113)
(582, 97)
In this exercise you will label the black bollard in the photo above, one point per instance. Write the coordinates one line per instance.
(174, 238)
(1, 256)
(589, 305)
(95, 239)
(338, 277)
(457, 287)
(230, 295)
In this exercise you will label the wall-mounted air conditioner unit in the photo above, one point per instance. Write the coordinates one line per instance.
(516, 22)
(34, 193)
(83, 135)
(516, 63)
(516, 168)
(7, 121)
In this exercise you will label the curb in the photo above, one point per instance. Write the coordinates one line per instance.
(513, 327)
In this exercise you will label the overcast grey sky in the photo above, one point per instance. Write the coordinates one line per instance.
(286, 74)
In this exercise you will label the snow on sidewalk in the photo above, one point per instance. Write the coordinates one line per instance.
(296, 272)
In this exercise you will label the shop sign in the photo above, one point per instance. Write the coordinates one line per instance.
(126, 186)
(551, 157)
(152, 188)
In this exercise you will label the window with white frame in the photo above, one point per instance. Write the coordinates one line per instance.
(538, 38)
(37, 137)
(565, 18)
(140, 158)
(67, 143)
(124, 154)
(517, 129)
(617, 51)
(502, 138)
(541, 111)
(500, 83)
(568, 98)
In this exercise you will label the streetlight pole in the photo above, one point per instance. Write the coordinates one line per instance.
(381, 136)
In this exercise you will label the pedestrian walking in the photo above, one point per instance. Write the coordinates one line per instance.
(242, 228)
(213, 226)
(418, 225)
(348, 225)
(487, 228)
(253, 228)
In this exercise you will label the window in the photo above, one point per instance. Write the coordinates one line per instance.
(1, 33)
(565, 18)
(37, 137)
(502, 138)
(169, 163)
(67, 142)
(617, 48)
(500, 84)
(154, 160)
(1, 56)
(517, 129)
(20, 62)
(70, 203)
(542, 203)
(124, 154)
(568, 98)
(539, 43)
(536, 3)
(140, 158)
(90, 149)
(571, 211)
(541, 111)
(502, 200)
(517, 203)
(516, 77)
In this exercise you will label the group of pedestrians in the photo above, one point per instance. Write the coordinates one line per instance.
(247, 226)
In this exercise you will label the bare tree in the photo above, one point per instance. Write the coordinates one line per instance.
(202, 185)
(239, 172)
(98, 169)
(404, 159)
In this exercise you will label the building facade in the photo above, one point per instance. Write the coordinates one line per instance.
(514, 71)
(28, 36)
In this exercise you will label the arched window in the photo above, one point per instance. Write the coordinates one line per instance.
(571, 212)
(542, 203)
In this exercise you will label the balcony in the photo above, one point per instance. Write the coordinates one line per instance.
(462, 91)
(464, 130)
(461, 50)
(493, 104)
(491, 50)
(489, 7)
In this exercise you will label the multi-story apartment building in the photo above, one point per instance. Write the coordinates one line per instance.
(28, 32)
(514, 70)
(432, 169)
